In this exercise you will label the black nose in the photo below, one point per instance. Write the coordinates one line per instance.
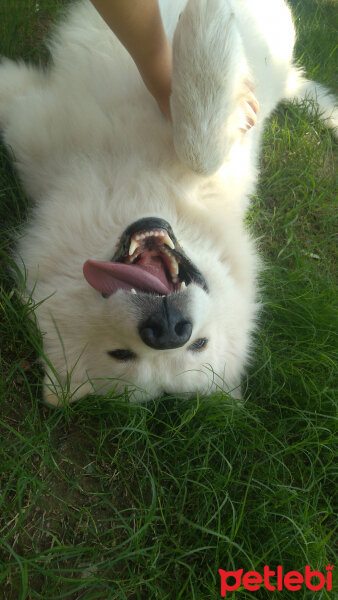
(168, 328)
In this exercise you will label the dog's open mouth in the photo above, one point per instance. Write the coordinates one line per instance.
(148, 259)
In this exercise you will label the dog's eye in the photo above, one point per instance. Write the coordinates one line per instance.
(122, 355)
(198, 345)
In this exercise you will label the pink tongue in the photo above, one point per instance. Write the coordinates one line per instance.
(108, 277)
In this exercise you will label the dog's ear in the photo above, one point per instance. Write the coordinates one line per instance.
(56, 400)
(58, 394)
(208, 103)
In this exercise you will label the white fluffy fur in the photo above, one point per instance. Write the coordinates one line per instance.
(95, 153)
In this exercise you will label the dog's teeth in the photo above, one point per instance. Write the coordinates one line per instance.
(133, 291)
(183, 285)
(166, 240)
(174, 267)
(132, 247)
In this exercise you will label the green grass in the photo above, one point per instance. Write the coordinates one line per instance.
(107, 500)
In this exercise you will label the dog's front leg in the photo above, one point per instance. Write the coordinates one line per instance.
(212, 102)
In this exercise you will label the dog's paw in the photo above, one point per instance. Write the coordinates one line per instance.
(248, 107)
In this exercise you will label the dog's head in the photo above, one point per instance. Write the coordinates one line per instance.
(161, 317)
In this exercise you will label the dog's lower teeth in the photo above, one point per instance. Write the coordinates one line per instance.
(132, 247)
(166, 240)
(165, 245)
(133, 291)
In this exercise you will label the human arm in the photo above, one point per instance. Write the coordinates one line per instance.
(139, 27)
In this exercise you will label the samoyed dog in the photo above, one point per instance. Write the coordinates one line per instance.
(136, 254)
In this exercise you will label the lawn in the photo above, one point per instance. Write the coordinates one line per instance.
(108, 500)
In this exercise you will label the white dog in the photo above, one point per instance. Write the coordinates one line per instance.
(136, 254)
